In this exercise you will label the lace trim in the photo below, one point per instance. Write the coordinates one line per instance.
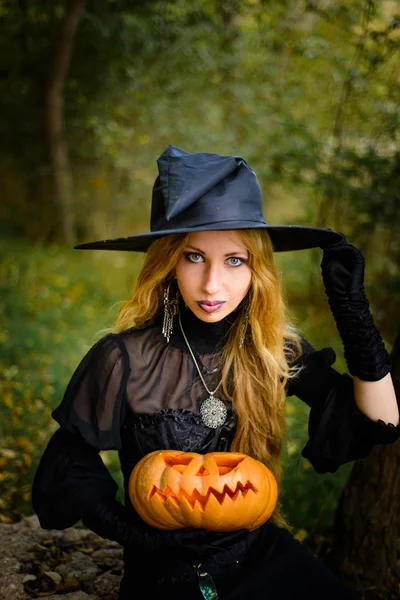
(140, 420)
(384, 433)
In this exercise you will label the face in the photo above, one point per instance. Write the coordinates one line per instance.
(213, 274)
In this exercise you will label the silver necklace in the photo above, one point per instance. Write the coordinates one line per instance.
(212, 410)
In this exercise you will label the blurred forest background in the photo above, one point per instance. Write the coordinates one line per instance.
(91, 93)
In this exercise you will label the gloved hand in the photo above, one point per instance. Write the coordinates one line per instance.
(199, 544)
(342, 268)
(109, 519)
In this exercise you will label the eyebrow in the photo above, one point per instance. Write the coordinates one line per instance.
(244, 251)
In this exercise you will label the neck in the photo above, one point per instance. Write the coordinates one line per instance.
(204, 338)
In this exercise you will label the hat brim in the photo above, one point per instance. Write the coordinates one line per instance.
(284, 237)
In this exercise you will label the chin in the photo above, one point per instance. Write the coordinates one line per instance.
(210, 317)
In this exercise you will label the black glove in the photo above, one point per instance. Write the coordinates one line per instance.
(109, 519)
(342, 269)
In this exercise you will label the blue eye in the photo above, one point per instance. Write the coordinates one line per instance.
(235, 261)
(194, 257)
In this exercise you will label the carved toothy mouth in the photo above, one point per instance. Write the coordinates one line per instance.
(202, 499)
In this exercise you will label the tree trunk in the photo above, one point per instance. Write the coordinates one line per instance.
(365, 551)
(57, 145)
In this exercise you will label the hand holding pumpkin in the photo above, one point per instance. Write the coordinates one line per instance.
(109, 519)
(198, 544)
(218, 491)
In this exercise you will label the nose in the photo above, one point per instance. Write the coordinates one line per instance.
(211, 280)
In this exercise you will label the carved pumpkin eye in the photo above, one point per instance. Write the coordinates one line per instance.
(227, 463)
(179, 463)
(220, 491)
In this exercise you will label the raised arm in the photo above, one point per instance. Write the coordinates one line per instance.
(367, 359)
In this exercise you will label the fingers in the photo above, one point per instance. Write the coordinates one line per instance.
(228, 539)
(344, 253)
(339, 242)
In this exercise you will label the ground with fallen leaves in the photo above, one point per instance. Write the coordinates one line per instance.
(77, 564)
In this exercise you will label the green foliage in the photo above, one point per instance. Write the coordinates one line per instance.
(309, 499)
(295, 87)
(53, 311)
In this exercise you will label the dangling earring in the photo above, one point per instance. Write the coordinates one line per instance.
(243, 330)
(171, 309)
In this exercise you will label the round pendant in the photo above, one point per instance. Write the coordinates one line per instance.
(213, 412)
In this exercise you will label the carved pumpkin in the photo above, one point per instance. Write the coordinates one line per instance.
(219, 491)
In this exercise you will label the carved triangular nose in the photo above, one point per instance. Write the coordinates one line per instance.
(202, 471)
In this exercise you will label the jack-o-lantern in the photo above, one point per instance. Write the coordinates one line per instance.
(218, 491)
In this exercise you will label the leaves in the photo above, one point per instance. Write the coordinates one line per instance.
(52, 307)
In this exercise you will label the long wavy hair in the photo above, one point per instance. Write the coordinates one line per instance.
(255, 372)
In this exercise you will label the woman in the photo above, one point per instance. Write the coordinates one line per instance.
(201, 359)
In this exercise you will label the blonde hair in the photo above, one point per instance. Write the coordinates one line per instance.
(254, 373)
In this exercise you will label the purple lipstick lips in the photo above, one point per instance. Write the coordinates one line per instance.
(210, 307)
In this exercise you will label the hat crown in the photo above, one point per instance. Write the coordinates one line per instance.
(202, 191)
(194, 189)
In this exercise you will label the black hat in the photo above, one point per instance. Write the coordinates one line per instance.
(201, 191)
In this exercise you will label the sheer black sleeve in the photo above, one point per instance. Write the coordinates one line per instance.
(70, 481)
(93, 403)
(338, 431)
(72, 484)
(71, 478)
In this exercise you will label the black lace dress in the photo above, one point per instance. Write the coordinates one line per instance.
(135, 393)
